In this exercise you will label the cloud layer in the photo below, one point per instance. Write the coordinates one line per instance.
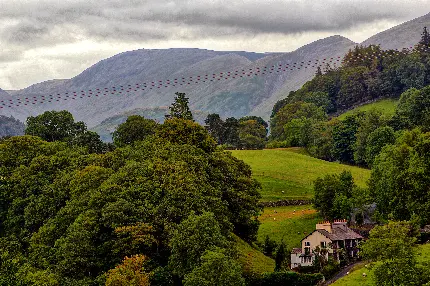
(42, 35)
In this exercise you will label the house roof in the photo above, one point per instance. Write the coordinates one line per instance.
(340, 234)
(296, 251)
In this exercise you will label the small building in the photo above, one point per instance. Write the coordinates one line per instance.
(331, 236)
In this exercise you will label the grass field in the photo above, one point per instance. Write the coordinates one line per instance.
(355, 278)
(289, 173)
(290, 223)
(387, 106)
(253, 260)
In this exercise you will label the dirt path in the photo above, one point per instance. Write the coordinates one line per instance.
(341, 273)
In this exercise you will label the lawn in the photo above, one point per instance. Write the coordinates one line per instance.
(387, 106)
(355, 278)
(290, 224)
(289, 173)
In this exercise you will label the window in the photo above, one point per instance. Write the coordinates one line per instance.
(323, 244)
(307, 243)
(307, 250)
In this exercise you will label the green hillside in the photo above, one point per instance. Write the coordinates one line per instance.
(252, 260)
(290, 224)
(387, 106)
(288, 174)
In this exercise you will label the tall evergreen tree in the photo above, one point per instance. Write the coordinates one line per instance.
(180, 108)
(425, 38)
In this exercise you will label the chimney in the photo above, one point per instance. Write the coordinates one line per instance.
(326, 225)
(342, 224)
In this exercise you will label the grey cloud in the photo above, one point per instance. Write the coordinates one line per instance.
(160, 20)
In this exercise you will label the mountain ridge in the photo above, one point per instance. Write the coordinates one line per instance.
(254, 95)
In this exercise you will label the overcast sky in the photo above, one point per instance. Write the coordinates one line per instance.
(47, 39)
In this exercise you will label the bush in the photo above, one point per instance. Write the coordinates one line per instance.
(283, 278)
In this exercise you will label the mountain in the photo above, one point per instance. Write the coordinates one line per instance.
(239, 96)
(5, 110)
(401, 36)
(232, 97)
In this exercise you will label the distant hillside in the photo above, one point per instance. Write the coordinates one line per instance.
(254, 95)
(107, 126)
(9, 126)
(233, 97)
(401, 36)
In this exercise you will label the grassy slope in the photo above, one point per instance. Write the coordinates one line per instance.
(290, 223)
(355, 278)
(387, 106)
(252, 259)
(291, 171)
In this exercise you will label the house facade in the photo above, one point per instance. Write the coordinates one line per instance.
(330, 236)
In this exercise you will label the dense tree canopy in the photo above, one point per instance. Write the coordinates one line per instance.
(67, 217)
(61, 126)
(333, 195)
(135, 128)
(249, 132)
(54, 126)
(400, 178)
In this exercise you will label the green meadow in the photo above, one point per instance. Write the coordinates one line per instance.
(387, 106)
(290, 224)
(289, 173)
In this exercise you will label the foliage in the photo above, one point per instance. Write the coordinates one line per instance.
(179, 131)
(400, 178)
(281, 256)
(60, 126)
(136, 128)
(216, 268)
(376, 141)
(179, 108)
(215, 127)
(344, 138)
(252, 134)
(193, 237)
(392, 245)
(334, 195)
(413, 109)
(70, 216)
(296, 110)
(129, 273)
(284, 278)
(368, 122)
(269, 246)
(248, 132)
(54, 126)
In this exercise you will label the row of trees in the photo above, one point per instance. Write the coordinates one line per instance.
(248, 132)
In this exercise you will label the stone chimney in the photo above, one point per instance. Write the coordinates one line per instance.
(326, 225)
